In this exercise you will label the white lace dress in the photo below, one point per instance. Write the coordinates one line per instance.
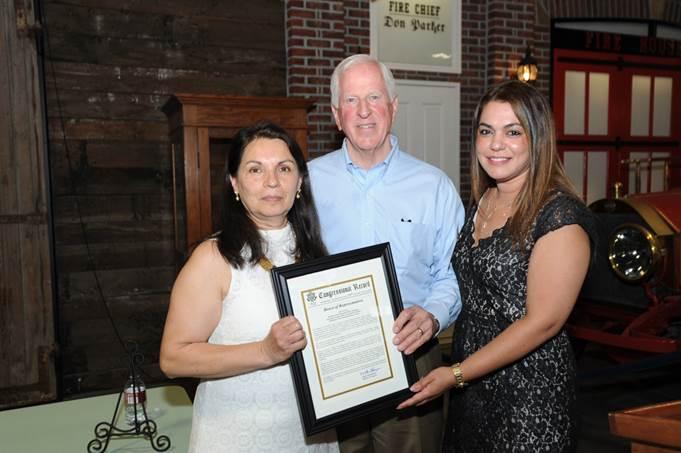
(256, 411)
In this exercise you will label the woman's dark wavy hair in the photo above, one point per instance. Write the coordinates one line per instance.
(237, 227)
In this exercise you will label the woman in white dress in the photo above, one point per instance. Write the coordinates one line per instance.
(223, 325)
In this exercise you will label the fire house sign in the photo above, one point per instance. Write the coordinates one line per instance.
(421, 35)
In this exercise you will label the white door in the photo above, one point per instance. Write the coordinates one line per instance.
(427, 123)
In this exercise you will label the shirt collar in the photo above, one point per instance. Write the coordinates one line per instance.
(350, 165)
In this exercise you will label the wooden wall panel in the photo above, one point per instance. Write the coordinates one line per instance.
(110, 66)
(27, 369)
(149, 81)
(114, 207)
(13, 352)
(252, 10)
(112, 255)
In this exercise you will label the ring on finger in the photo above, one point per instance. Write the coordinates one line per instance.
(420, 331)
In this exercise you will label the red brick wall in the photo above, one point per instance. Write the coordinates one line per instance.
(321, 33)
(317, 39)
(494, 36)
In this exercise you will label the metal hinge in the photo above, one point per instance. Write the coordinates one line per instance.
(27, 26)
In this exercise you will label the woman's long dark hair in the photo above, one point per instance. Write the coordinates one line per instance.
(545, 174)
(237, 227)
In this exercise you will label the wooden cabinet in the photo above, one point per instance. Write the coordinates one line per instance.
(197, 121)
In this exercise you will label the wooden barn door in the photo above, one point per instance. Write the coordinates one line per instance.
(27, 347)
(612, 108)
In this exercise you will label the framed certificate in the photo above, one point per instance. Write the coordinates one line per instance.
(347, 304)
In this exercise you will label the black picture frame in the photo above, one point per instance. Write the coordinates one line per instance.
(335, 383)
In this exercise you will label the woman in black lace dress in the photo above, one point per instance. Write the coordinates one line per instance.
(520, 260)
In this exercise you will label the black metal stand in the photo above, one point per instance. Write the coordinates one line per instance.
(104, 431)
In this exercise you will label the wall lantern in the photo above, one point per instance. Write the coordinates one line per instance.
(527, 68)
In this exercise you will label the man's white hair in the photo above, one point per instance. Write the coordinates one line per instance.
(352, 60)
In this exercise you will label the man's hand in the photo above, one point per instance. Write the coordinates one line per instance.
(412, 328)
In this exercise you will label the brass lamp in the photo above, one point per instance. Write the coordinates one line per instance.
(527, 68)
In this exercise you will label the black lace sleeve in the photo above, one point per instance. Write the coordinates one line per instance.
(562, 210)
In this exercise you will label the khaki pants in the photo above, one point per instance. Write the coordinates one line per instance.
(415, 430)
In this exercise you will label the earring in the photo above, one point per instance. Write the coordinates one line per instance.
(236, 194)
(298, 194)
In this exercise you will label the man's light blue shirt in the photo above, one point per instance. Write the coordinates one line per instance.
(404, 201)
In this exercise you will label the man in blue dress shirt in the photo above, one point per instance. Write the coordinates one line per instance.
(369, 192)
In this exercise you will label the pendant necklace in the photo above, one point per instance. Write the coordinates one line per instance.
(490, 213)
(266, 264)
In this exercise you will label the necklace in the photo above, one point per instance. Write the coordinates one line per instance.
(266, 264)
(489, 212)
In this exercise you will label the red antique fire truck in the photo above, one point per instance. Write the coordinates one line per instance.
(618, 128)
(631, 299)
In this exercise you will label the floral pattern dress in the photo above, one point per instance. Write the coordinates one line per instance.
(529, 405)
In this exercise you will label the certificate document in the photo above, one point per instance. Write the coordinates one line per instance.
(346, 335)
(347, 304)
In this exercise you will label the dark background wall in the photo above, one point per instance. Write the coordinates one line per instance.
(109, 67)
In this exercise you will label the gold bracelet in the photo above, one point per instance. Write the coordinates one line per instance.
(458, 376)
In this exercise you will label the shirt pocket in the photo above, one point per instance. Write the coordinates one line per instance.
(412, 244)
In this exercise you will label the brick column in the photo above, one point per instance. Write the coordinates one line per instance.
(315, 44)
(510, 30)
